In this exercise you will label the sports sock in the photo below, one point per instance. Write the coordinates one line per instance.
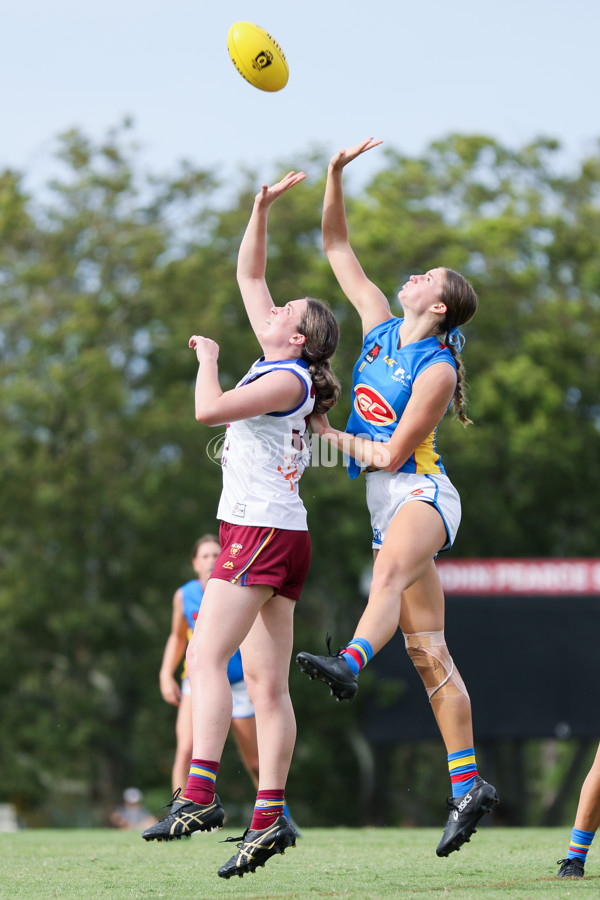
(200, 785)
(269, 806)
(357, 654)
(463, 769)
(581, 841)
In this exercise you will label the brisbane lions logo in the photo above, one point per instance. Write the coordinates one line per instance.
(372, 407)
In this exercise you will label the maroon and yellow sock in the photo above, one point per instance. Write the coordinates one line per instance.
(267, 809)
(200, 787)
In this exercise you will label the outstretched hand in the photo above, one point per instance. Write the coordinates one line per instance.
(268, 195)
(205, 348)
(343, 157)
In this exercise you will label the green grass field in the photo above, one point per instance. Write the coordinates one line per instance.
(350, 863)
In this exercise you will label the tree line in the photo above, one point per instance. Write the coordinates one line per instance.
(107, 479)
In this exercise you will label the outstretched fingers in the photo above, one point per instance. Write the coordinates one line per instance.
(269, 194)
(343, 157)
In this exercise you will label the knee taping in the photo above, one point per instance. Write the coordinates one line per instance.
(430, 656)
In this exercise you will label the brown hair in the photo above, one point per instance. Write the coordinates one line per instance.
(461, 305)
(205, 539)
(321, 330)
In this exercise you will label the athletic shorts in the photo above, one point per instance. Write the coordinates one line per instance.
(253, 555)
(387, 492)
(242, 704)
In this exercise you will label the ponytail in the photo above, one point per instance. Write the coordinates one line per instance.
(459, 401)
(461, 304)
(321, 330)
(327, 387)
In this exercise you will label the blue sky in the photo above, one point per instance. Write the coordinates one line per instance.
(408, 73)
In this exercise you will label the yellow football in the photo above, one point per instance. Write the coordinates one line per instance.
(257, 56)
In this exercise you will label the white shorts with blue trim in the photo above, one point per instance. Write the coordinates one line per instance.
(242, 704)
(387, 492)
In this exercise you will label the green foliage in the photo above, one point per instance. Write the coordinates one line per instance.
(106, 480)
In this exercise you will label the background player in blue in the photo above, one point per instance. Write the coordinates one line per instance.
(587, 822)
(186, 603)
(407, 375)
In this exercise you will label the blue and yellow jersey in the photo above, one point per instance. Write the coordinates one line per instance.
(382, 386)
(192, 598)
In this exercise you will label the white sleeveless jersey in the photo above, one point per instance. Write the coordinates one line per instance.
(264, 458)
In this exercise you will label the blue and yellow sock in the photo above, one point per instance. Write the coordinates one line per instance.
(581, 841)
(267, 809)
(200, 785)
(357, 654)
(463, 769)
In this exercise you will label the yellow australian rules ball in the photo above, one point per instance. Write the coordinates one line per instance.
(257, 56)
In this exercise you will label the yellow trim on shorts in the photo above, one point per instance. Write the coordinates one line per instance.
(251, 560)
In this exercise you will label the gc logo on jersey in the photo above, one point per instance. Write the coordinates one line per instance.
(372, 407)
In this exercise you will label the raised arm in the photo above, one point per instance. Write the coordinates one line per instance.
(273, 392)
(252, 256)
(368, 300)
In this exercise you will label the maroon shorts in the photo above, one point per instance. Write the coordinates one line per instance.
(252, 554)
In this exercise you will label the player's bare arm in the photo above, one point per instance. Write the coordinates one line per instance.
(273, 392)
(252, 257)
(368, 300)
